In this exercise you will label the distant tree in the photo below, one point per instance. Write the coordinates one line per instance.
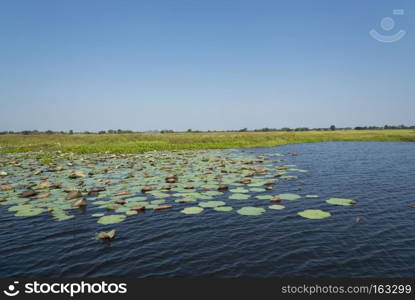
(286, 129)
(71, 131)
(243, 129)
(332, 127)
(189, 130)
(101, 132)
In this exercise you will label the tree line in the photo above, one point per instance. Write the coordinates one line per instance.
(266, 129)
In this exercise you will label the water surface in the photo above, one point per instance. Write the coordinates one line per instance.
(380, 176)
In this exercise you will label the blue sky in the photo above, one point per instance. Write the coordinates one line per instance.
(141, 65)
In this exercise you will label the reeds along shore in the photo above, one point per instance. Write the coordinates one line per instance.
(142, 142)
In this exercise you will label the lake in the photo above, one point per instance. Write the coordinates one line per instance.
(380, 176)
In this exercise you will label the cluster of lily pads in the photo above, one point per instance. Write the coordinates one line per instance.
(118, 186)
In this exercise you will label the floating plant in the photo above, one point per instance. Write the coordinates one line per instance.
(223, 208)
(192, 210)
(289, 196)
(341, 201)
(111, 219)
(276, 206)
(250, 211)
(314, 214)
(211, 204)
(239, 197)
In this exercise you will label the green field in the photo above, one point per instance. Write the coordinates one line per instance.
(141, 142)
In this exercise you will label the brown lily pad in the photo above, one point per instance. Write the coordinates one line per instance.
(79, 202)
(138, 208)
(28, 194)
(73, 195)
(163, 207)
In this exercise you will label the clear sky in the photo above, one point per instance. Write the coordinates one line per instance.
(204, 64)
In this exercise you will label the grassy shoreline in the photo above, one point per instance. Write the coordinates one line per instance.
(142, 142)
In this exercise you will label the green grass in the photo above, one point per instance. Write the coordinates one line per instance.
(141, 142)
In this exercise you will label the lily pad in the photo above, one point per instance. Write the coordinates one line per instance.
(264, 197)
(289, 196)
(223, 208)
(341, 201)
(239, 190)
(29, 212)
(314, 214)
(192, 210)
(239, 196)
(97, 215)
(276, 206)
(211, 204)
(250, 211)
(111, 219)
(257, 190)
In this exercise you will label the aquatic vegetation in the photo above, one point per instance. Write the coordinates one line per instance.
(223, 208)
(276, 206)
(341, 201)
(115, 186)
(106, 235)
(314, 214)
(239, 190)
(289, 196)
(257, 190)
(211, 204)
(111, 219)
(97, 215)
(264, 197)
(192, 210)
(250, 211)
(28, 211)
(239, 197)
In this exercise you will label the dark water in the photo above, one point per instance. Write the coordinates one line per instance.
(380, 176)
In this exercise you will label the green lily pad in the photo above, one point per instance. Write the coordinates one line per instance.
(211, 204)
(239, 190)
(192, 210)
(97, 215)
(341, 201)
(250, 211)
(312, 196)
(264, 197)
(29, 212)
(111, 219)
(289, 196)
(223, 208)
(257, 190)
(276, 206)
(314, 214)
(239, 196)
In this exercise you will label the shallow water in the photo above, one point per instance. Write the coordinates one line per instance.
(379, 176)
